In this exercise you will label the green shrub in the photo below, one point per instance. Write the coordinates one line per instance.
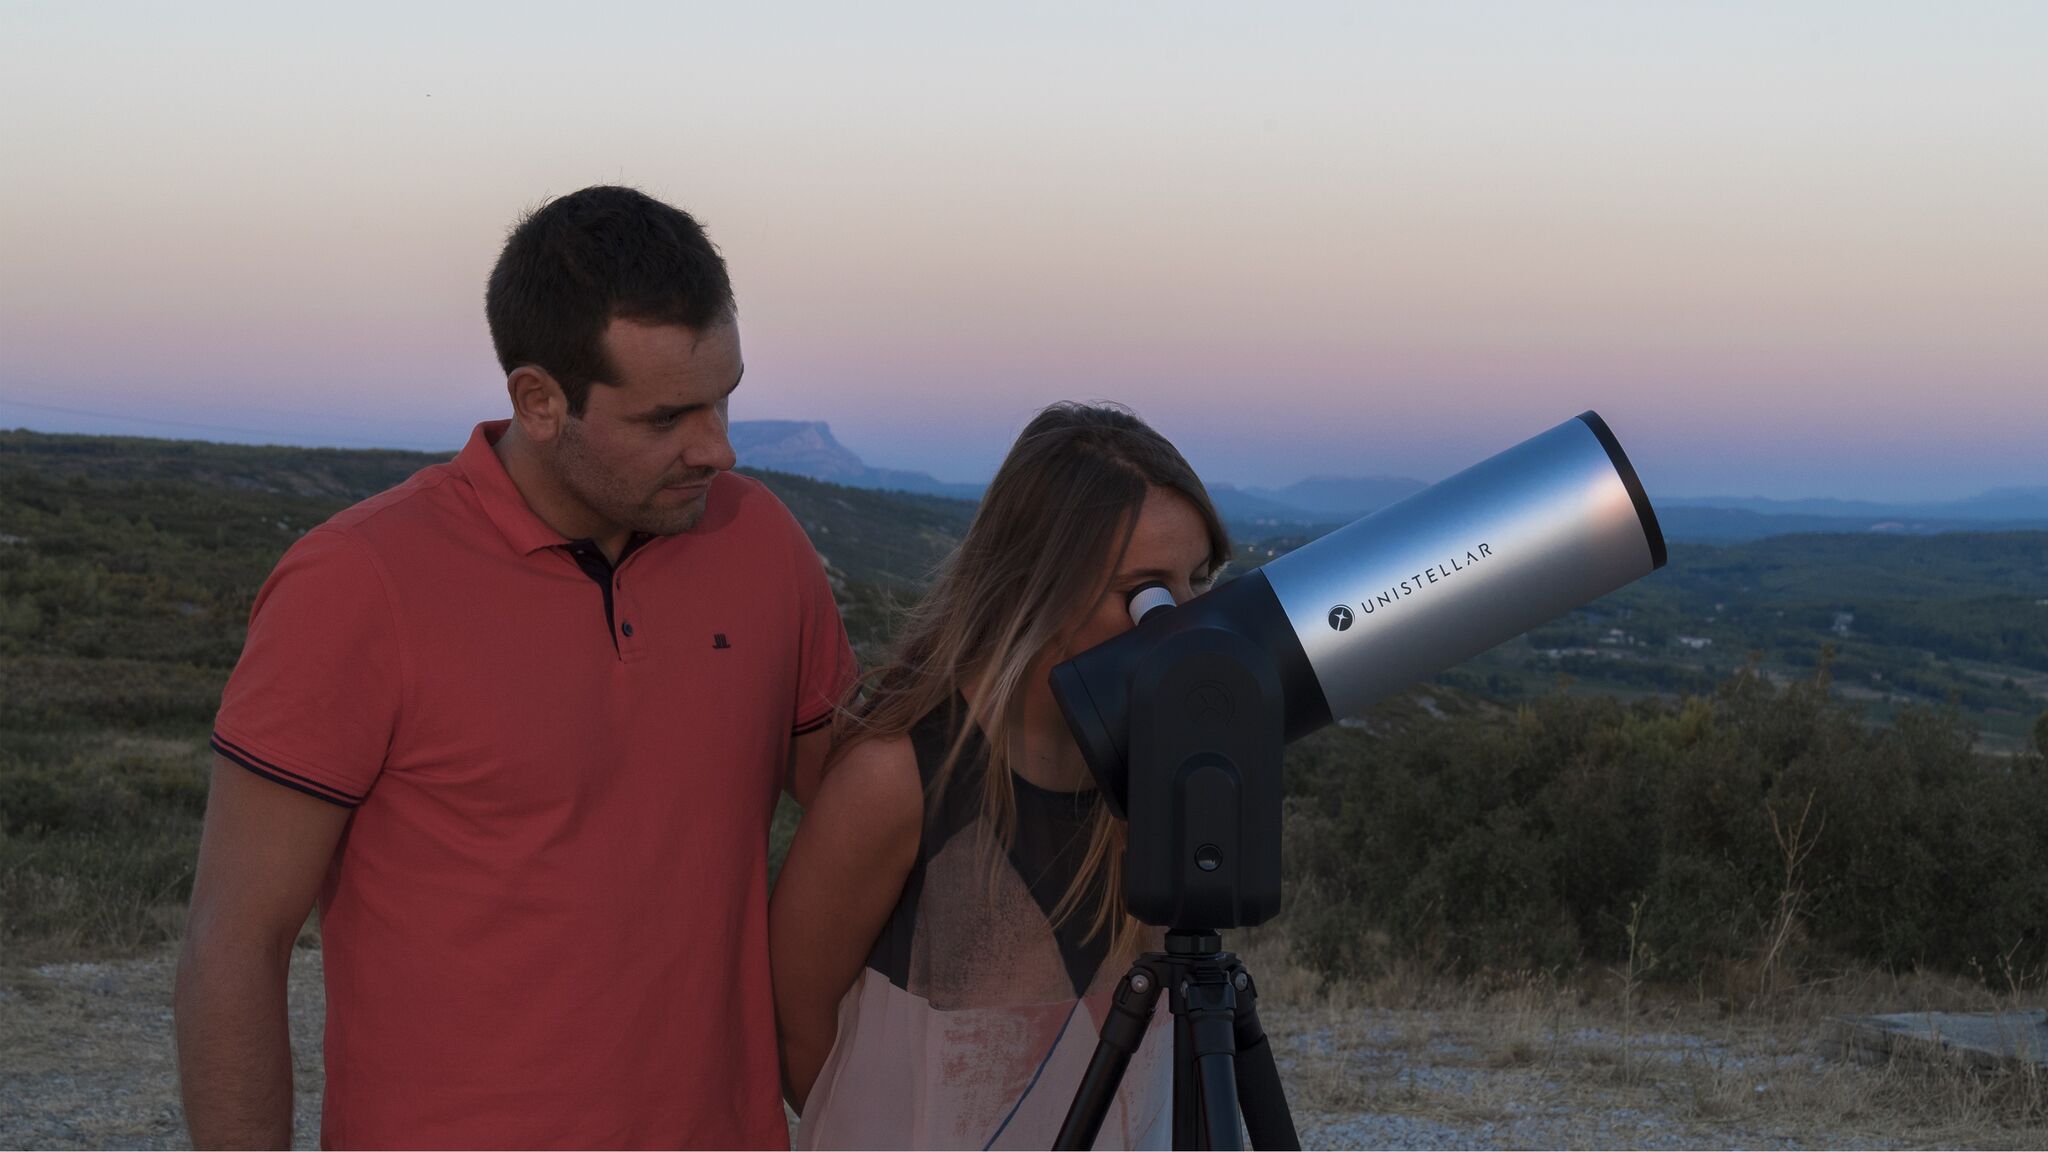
(99, 836)
(45, 693)
(1522, 841)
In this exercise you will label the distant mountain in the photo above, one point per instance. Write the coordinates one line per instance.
(2011, 504)
(806, 448)
(1681, 521)
(1343, 498)
(1319, 503)
(803, 447)
(1246, 512)
(869, 535)
(1734, 518)
(1325, 501)
(2002, 504)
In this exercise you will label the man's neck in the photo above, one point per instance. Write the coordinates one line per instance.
(555, 506)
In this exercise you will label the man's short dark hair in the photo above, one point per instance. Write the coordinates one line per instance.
(576, 263)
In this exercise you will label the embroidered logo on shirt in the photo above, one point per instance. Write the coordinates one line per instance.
(718, 640)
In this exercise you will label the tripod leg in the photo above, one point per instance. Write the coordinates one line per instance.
(1259, 1092)
(1187, 1087)
(1130, 1011)
(1212, 1015)
(1219, 1102)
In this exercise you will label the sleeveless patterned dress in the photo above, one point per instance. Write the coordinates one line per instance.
(974, 1018)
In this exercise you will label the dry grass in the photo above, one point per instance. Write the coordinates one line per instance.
(1529, 1059)
(1410, 1059)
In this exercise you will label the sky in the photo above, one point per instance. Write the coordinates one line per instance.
(1784, 249)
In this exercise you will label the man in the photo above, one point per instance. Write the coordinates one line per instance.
(519, 725)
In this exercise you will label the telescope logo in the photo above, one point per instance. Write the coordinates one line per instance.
(1210, 703)
(1434, 574)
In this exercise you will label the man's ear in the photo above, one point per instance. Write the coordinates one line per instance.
(538, 403)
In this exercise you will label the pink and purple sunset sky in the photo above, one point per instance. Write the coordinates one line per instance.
(1786, 250)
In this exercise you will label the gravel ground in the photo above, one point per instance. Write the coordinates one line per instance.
(1417, 1080)
(87, 1061)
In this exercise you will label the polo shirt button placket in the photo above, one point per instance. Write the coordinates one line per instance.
(630, 633)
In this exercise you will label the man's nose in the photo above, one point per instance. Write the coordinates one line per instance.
(710, 447)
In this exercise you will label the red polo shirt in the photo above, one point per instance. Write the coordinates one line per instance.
(546, 924)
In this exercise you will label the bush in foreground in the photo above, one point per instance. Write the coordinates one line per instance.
(1756, 825)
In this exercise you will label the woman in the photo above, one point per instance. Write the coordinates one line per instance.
(949, 923)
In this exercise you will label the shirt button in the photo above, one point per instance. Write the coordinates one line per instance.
(626, 628)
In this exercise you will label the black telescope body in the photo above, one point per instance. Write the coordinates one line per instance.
(1181, 719)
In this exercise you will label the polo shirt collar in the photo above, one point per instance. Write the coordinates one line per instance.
(499, 495)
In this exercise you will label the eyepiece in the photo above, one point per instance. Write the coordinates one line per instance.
(1148, 598)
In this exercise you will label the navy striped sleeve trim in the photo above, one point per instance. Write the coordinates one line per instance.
(276, 775)
(810, 726)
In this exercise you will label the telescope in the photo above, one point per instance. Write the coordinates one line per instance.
(1183, 720)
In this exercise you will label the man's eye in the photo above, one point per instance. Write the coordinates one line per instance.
(667, 422)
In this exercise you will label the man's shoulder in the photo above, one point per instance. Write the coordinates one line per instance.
(747, 491)
(426, 494)
(744, 505)
(378, 533)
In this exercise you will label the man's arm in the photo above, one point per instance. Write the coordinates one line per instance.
(262, 856)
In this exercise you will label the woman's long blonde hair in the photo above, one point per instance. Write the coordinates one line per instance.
(1051, 530)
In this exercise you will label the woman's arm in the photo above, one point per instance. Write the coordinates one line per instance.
(842, 878)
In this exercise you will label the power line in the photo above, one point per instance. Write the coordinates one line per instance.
(159, 422)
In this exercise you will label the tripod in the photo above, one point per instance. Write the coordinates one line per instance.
(1221, 1060)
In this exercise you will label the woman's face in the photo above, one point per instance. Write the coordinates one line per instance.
(1169, 544)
